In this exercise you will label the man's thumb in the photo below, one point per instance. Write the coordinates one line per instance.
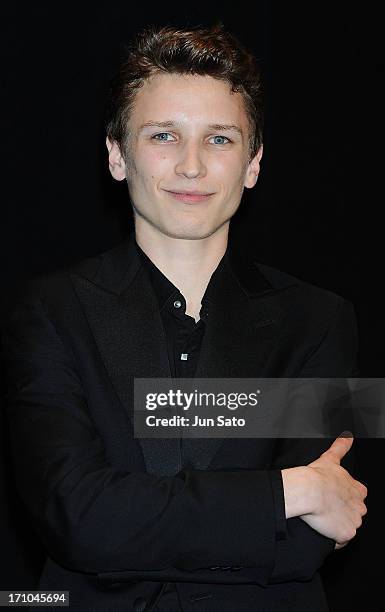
(340, 447)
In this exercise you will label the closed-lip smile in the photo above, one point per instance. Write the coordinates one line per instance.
(189, 196)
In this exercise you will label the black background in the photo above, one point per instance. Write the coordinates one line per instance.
(315, 212)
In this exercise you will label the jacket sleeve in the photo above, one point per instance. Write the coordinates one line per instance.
(304, 550)
(95, 518)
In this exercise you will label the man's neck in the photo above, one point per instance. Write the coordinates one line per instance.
(188, 264)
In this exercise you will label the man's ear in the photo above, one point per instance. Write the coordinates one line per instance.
(253, 169)
(116, 162)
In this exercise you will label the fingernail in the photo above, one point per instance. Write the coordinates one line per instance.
(346, 434)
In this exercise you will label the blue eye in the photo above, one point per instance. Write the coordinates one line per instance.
(221, 138)
(156, 136)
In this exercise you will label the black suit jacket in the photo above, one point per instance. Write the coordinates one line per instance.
(116, 514)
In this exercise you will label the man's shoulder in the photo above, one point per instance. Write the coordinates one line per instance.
(59, 279)
(298, 289)
(313, 317)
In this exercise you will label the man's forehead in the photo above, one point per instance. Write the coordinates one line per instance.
(185, 79)
(170, 100)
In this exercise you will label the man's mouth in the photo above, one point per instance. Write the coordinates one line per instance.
(190, 197)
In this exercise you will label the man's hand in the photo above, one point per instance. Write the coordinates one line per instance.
(325, 496)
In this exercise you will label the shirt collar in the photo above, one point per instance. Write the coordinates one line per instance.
(164, 288)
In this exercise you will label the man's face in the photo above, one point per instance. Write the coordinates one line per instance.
(187, 157)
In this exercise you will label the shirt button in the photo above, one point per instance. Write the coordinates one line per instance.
(177, 304)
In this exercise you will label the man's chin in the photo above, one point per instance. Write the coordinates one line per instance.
(182, 231)
(190, 234)
(198, 231)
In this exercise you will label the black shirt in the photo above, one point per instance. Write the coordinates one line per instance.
(183, 335)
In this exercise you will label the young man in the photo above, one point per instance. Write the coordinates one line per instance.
(164, 524)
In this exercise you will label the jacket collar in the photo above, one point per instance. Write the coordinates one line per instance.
(115, 269)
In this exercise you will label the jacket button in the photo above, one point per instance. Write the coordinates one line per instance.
(215, 567)
(139, 604)
(236, 568)
(226, 567)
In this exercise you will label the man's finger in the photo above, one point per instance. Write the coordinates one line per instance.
(339, 448)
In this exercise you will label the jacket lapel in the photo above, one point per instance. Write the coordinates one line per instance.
(125, 321)
(242, 322)
(241, 332)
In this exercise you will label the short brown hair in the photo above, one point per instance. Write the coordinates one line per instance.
(202, 51)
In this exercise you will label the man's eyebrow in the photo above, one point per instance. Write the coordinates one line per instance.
(218, 127)
(161, 124)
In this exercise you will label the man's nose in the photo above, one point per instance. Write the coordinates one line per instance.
(190, 162)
